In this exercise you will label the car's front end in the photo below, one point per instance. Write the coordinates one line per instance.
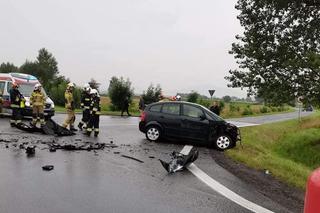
(48, 108)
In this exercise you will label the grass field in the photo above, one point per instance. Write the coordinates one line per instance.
(290, 150)
(230, 110)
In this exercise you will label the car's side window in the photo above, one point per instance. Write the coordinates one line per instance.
(156, 108)
(9, 85)
(173, 109)
(2, 87)
(192, 111)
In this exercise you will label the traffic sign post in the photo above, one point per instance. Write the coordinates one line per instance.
(299, 100)
(211, 92)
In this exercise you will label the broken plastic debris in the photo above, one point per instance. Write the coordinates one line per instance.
(30, 150)
(48, 167)
(180, 161)
(136, 159)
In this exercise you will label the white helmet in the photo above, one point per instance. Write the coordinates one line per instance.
(37, 86)
(94, 92)
(70, 85)
(178, 98)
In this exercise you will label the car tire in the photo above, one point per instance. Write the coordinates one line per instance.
(153, 133)
(223, 142)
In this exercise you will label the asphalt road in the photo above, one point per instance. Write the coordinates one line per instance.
(104, 181)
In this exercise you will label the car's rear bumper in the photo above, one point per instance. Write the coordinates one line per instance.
(142, 126)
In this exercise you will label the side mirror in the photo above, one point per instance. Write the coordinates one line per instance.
(202, 117)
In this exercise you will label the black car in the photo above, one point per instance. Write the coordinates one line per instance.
(189, 121)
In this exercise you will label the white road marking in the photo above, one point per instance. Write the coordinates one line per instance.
(221, 189)
(242, 124)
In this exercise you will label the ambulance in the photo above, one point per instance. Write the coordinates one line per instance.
(26, 86)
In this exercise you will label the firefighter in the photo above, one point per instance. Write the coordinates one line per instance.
(70, 107)
(95, 111)
(37, 102)
(85, 105)
(17, 103)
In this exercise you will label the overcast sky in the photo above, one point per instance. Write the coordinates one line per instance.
(180, 44)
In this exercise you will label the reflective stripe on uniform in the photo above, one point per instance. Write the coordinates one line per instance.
(96, 130)
(87, 99)
(86, 107)
(89, 130)
(14, 106)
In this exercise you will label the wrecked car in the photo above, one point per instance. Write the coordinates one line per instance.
(187, 121)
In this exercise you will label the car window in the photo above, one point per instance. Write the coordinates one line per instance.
(173, 109)
(9, 86)
(156, 108)
(2, 86)
(192, 111)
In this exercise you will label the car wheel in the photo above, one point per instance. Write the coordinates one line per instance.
(153, 133)
(223, 142)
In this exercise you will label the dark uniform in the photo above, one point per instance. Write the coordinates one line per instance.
(85, 105)
(125, 106)
(95, 111)
(17, 103)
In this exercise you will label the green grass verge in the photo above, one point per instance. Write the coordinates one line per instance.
(290, 150)
(104, 111)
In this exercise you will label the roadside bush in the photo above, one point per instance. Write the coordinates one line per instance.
(204, 102)
(118, 90)
(247, 111)
(264, 109)
(152, 94)
(193, 97)
(232, 107)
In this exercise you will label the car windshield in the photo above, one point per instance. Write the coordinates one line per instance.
(212, 115)
(27, 89)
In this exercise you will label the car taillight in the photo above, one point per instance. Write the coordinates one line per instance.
(143, 116)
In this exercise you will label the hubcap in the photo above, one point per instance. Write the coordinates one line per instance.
(223, 142)
(153, 134)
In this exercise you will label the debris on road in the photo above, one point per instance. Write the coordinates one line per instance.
(116, 152)
(48, 167)
(136, 159)
(180, 161)
(72, 147)
(50, 128)
(30, 150)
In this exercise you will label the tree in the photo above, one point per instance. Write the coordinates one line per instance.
(278, 53)
(8, 67)
(30, 67)
(193, 97)
(152, 94)
(48, 67)
(94, 84)
(118, 90)
(226, 98)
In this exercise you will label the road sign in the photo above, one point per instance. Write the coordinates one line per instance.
(300, 99)
(211, 91)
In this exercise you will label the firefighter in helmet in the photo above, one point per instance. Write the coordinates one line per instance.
(70, 107)
(95, 111)
(85, 105)
(17, 103)
(37, 102)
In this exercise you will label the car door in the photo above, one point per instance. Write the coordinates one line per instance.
(194, 124)
(170, 119)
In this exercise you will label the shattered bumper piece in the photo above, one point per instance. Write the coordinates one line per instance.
(48, 167)
(180, 161)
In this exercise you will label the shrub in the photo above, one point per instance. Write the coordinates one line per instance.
(119, 89)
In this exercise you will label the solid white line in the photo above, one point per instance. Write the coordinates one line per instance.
(221, 189)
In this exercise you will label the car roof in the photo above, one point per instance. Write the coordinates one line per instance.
(19, 78)
(175, 102)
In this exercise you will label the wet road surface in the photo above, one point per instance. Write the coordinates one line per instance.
(104, 181)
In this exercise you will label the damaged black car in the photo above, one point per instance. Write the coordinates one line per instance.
(187, 121)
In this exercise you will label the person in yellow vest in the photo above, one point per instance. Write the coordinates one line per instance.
(37, 102)
(70, 107)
